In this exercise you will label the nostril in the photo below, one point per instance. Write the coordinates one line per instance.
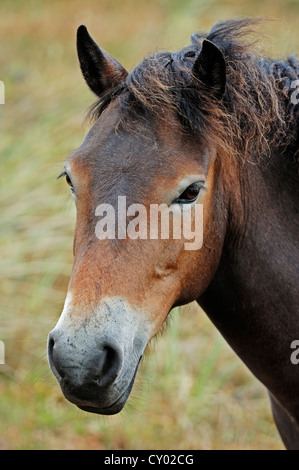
(51, 343)
(54, 364)
(110, 362)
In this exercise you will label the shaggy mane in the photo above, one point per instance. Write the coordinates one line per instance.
(256, 113)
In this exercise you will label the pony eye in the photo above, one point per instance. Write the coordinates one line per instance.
(68, 180)
(190, 194)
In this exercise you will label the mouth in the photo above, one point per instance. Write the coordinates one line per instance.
(116, 406)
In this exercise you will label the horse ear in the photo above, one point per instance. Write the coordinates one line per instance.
(210, 68)
(100, 70)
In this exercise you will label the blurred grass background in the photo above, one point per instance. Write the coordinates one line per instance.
(192, 391)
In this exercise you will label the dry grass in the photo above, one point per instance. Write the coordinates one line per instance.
(193, 392)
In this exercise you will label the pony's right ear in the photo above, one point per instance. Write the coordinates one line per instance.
(210, 68)
(100, 70)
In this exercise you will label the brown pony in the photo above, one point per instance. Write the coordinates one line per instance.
(214, 124)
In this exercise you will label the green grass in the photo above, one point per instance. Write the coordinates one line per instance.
(192, 392)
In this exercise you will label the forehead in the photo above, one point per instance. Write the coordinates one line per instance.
(133, 153)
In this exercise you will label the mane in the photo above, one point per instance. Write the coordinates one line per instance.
(256, 113)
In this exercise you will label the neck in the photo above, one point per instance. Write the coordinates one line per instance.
(253, 295)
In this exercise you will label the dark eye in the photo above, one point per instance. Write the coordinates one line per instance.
(190, 194)
(68, 180)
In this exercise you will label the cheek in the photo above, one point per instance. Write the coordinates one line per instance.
(84, 232)
(201, 251)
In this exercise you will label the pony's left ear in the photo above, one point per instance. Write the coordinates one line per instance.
(100, 70)
(210, 69)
